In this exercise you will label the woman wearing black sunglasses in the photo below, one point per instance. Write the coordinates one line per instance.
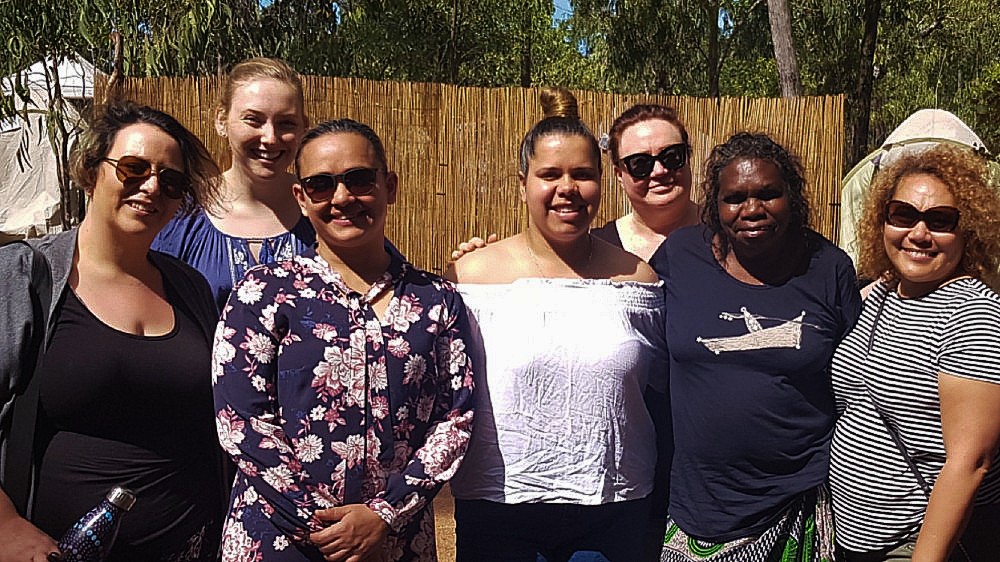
(649, 148)
(650, 151)
(918, 379)
(756, 304)
(343, 377)
(104, 363)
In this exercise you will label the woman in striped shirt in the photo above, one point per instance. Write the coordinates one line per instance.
(918, 379)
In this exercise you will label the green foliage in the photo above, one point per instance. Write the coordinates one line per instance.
(931, 53)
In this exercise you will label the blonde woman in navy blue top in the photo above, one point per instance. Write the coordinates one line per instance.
(262, 116)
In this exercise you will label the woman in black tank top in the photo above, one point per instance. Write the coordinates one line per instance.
(122, 380)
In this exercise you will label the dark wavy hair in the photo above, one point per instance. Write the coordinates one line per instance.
(754, 146)
(967, 177)
(334, 126)
(561, 117)
(105, 123)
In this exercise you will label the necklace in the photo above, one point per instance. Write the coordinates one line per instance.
(538, 264)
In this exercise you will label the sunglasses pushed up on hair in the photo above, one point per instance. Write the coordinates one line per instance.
(130, 169)
(321, 187)
(937, 219)
(640, 165)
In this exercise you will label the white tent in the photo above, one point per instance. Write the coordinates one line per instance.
(29, 187)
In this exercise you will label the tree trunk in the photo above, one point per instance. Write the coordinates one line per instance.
(453, 44)
(526, 40)
(862, 106)
(714, 50)
(784, 50)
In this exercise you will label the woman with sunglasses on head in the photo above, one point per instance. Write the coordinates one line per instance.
(105, 365)
(918, 379)
(562, 456)
(756, 304)
(256, 220)
(343, 384)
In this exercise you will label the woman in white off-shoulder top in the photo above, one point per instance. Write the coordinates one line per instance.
(563, 451)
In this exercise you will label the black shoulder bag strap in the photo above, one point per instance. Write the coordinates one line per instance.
(893, 434)
(21, 468)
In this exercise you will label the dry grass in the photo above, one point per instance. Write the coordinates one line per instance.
(444, 523)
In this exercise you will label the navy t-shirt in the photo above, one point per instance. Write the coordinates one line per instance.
(750, 389)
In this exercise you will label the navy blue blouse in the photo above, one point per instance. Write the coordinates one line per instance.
(225, 259)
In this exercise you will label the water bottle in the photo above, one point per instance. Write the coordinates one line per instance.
(90, 538)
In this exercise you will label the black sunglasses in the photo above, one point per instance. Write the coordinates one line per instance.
(640, 164)
(938, 219)
(321, 187)
(173, 184)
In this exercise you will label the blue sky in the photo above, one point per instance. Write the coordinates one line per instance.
(563, 10)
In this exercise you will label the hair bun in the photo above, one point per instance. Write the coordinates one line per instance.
(559, 102)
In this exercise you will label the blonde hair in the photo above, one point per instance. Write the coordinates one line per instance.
(967, 177)
(260, 68)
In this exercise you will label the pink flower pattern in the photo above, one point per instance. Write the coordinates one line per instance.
(321, 403)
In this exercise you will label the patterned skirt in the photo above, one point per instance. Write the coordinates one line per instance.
(804, 533)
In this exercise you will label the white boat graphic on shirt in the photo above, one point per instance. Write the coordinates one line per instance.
(788, 334)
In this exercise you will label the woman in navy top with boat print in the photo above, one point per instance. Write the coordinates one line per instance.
(756, 303)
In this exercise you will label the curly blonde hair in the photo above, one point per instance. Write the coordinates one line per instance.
(967, 177)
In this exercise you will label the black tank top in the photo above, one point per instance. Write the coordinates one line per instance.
(118, 408)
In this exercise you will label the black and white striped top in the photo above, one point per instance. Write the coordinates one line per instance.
(954, 329)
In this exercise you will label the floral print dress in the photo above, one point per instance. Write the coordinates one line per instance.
(321, 404)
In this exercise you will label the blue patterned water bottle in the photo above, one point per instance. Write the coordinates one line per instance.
(90, 538)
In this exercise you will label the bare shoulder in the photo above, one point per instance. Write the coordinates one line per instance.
(492, 264)
(620, 265)
(645, 273)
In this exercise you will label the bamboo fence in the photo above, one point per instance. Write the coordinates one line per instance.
(455, 148)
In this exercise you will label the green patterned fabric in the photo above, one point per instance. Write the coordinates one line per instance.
(804, 533)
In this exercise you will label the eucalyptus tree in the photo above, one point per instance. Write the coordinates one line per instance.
(693, 47)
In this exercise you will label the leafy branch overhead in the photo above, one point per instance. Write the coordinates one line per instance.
(940, 53)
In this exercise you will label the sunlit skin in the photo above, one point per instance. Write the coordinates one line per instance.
(923, 260)
(562, 187)
(663, 187)
(753, 208)
(139, 206)
(264, 125)
(347, 222)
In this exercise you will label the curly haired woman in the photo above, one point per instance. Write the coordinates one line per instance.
(918, 379)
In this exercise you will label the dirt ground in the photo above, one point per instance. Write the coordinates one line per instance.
(444, 523)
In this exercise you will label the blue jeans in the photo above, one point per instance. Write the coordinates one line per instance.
(550, 532)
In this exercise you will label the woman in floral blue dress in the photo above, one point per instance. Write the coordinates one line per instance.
(342, 382)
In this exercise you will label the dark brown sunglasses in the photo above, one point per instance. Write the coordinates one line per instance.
(128, 169)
